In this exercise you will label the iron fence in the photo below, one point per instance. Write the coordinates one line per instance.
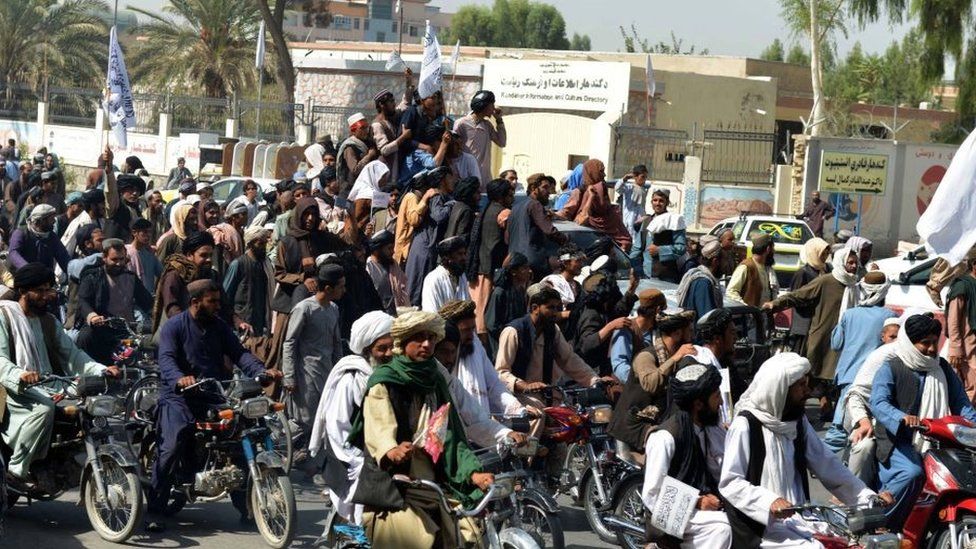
(18, 101)
(277, 121)
(329, 120)
(662, 151)
(199, 114)
(737, 157)
(73, 106)
(148, 106)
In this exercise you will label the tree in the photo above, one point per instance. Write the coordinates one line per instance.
(195, 44)
(273, 15)
(774, 52)
(580, 43)
(511, 24)
(633, 43)
(798, 55)
(49, 41)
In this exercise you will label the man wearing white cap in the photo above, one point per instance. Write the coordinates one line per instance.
(757, 498)
(355, 152)
(699, 289)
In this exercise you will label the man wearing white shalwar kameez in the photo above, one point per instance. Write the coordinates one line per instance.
(775, 399)
(447, 282)
(689, 446)
(31, 343)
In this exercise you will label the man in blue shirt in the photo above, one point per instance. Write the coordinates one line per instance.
(914, 384)
(192, 346)
(626, 342)
(699, 289)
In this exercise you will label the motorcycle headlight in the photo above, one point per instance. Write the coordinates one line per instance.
(881, 541)
(254, 408)
(964, 435)
(103, 406)
(600, 415)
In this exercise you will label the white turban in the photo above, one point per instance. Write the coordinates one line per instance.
(41, 210)
(253, 233)
(367, 329)
(236, 206)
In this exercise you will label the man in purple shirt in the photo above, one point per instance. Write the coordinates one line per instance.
(38, 242)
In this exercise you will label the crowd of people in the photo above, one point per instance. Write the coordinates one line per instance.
(395, 282)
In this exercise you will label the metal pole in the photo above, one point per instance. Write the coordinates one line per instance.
(115, 14)
(399, 32)
(257, 129)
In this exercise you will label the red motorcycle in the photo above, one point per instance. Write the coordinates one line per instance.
(944, 515)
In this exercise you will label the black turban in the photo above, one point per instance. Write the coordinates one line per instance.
(380, 239)
(918, 327)
(84, 234)
(270, 197)
(498, 188)
(450, 245)
(33, 275)
(134, 163)
(129, 181)
(451, 333)
(516, 260)
(466, 189)
(196, 241)
(712, 322)
(141, 224)
(693, 381)
(481, 100)
(600, 246)
(330, 273)
(328, 174)
(92, 196)
(188, 186)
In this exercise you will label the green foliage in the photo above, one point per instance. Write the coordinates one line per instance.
(198, 45)
(62, 43)
(892, 78)
(580, 43)
(774, 52)
(633, 43)
(513, 24)
(798, 55)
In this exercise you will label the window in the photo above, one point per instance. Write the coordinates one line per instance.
(413, 30)
(394, 30)
(355, 23)
(381, 37)
(341, 22)
(365, 24)
(782, 232)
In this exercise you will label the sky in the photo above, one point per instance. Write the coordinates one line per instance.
(725, 27)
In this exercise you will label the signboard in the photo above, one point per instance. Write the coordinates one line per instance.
(560, 85)
(855, 173)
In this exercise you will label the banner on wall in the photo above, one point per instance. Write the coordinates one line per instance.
(856, 173)
(559, 85)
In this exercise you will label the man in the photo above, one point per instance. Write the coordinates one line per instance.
(428, 138)
(595, 321)
(789, 448)
(447, 282)
(355, 152)
(49, 193)
(249, 284)
(699, 289)
(142, 259)
(387, 131)
(488, 247)
(388, 278)
(509, 297)
(627, 342)
(428, 217)
(730, 251)
(37, 243)
(312, 346)
(462, 163)
(858, 420)
(179, 173)
(753, 282)
(32, 344)
(533, 352)
(529, 227)
(476, 133)
(193, 344)
(717, 334)
(511, 176)
(913, 384)
(960, 323)
(855, 336)
(644, 394)
(816, 213)
(155, 215)
(251, 199)
(631, 193)
(689, 447)
(193, 263)
(398, 398)
(474, 368)
(11, 152)
(94, 214)
(73, 208)
(108, 289)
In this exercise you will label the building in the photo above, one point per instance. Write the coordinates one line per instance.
(363, 20)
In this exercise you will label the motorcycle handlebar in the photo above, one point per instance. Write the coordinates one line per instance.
(458, 510)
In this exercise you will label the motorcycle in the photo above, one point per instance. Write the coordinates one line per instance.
(850, 527)
(235, 446)
(592, 465)
(84, 452)
(945, 511)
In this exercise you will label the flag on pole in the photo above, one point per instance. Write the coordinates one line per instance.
(397, 6)
(651, 87)
(431, 75)
(395, 61)
(948, 226)
(118, 103)
(455, 56)
(259, 54)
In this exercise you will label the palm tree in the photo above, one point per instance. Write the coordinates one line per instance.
(206, 44)
(47, 41)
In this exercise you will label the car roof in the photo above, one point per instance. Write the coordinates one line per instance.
(761, 218)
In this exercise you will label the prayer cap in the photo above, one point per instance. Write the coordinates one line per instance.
(711, 250)
(380, 239)
(367, 329)
(356, 121)
(409, 324)
(761, 241)
(330, 274)
(74, 197)
(694, 381)
(33, 275)
(196, 241)
(47, 176)
(187, 186)
(236, 207)
(381, 95)
(652, 297)
(41, 211)
(253, 233)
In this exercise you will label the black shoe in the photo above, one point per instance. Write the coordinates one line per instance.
(155, 527)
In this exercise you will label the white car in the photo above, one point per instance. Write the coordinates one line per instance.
(788, 233)
(908, 274)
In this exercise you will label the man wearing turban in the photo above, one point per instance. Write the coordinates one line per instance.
(448, 281)
(757, 498)
(913, 384)
(689, 446)
(249, 284)
(179, 270)
(699, 289)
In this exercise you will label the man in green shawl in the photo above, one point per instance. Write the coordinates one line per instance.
(960, 325)
(401, 398)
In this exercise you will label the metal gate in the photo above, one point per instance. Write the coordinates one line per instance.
(737, 157)
(662, 151)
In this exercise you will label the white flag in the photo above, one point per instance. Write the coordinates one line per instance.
(948, 225)
(651, 84)
(118, 97)
(398, 6)
(394, 61)
(259, 54)
(455, 56)
(430, 68)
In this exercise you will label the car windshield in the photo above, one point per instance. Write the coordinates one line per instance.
(226, 190)
(782, 232)
(584, 238)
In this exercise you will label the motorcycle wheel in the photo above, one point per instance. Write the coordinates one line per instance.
(591, 507)
(576, 462)
(276, 519)
(545, 528)
(629, 506)
(115, 520)
(281, 435)
(965, 529)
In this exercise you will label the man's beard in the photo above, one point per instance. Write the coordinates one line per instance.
(37, 308)
(770, 260)
(385, 260)
(466, 349)
(707, 417)
(114, 270)
(454, 269)
(793, 411)
(259, 252)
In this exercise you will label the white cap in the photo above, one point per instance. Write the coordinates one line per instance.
(354, 119)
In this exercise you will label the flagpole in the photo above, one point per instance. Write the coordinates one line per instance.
(257, 131)
(399, 29)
